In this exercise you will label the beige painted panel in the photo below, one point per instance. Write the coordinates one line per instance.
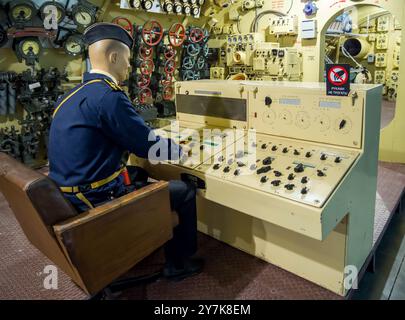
(321, 262)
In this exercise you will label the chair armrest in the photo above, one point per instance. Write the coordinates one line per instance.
(105, 242)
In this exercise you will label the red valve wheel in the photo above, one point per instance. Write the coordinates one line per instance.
(196, 35)
(169, 52)
(143, 81)
(170, 66)
(167, 80)
(177, 34)
(152, 33)
(144, 94)
(168, 92)
(127, 24)
(147, 67)
(145, 52)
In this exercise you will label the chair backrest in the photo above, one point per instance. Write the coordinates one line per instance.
(37, 204)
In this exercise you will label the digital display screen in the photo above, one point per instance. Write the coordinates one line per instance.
(330, 104)
(290, 102)
(218, 107)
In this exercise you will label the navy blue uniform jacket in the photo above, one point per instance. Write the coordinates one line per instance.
(91, 131)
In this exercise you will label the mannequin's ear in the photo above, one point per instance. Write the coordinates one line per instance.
(113, 57)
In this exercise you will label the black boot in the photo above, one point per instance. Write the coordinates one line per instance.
(177, 271)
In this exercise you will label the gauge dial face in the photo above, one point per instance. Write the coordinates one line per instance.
(169, 7)
(196, 11)
(83, 18)
(136, 4)
(201, 2)
(29, 47)
(148, 5)
(178, 8)
(22, 13)
(193, 1)
(74, 45)
(187, 9)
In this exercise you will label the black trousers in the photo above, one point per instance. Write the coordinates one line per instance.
(182, 200)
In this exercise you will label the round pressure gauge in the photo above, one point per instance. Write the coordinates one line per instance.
(147, 4)
(178, 7)
(186, 8)
(48, 7)
(74, 45)
(195, 10)
(201, 2)
(22, 11)
(29, 48)
(136, 4)
(168, 6)
(83, 15)
(193, 1)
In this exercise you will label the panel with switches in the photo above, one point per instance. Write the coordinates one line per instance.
(299, 171)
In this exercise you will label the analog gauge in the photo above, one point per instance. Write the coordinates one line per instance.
(193, 1)
(48, 7)
(74, 45)
(186, 8)
(83, 18)
(29, 48)
(22, 11)
(83, 14)
(178, 8)
(201, 2)
(136, 4)
(195, 11)
(147, 5)
(168, 6)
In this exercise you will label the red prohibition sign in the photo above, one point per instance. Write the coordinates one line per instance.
(338, 76)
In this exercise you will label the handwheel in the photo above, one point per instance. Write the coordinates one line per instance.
(152, 33)
(188, 63)
(193, 49)
(168, 92)
(177, 34)
(147, 67)
(169, 52)
(144, 94)
(196, 35)
(167, 80)
(170, 66)
(145, 52)
(143, 81)
(127, 24)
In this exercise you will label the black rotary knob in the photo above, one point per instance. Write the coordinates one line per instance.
(274, 148)
(338, 159)
(264, 179)
(299, 168)
(227, 169)
(268, 101)
(304, 190)
(240, 164)
(308, 154)
(216, 166)
(321, 173)
(278, 173)
(291, 176)
(236, 172)
(323, 156)
(276, 183)
(263, 170)
(264, 146)
(304, 180)
(289, 186)
(285, 150)
(267, 161)
(296, 152)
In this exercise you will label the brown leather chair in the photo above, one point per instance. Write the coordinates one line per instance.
(95, 247)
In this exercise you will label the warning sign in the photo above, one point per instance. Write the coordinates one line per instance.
(337, 79)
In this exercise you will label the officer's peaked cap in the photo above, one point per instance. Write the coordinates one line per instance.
(105, 30)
